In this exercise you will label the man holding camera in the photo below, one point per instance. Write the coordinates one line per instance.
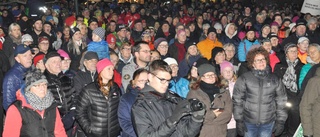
(158, 112)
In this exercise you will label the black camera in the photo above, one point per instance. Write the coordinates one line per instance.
(195, 105)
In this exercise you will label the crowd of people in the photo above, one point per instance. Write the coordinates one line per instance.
(159, 69)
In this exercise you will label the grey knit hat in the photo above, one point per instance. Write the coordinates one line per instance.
(33, 78)
(100, 32)
(204, 68)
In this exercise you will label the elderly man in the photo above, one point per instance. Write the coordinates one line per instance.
(88, 73)
(61, 88)
(14, 77)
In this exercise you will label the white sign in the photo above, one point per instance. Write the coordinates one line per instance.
(311, 6)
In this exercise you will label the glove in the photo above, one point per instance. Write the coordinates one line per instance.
(68, 120)
(278, 128)
(241, 128)
(182, 109)
(198, 116)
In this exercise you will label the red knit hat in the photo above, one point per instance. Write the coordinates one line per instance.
(37, 58)
(103, 64)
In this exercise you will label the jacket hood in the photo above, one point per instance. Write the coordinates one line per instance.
(20, 96)
(226, 31)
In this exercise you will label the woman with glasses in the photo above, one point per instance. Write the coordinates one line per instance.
(216, 99)
(259, 98)
(289, 71)
(140, 78)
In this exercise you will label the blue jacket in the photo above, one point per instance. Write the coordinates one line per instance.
(179, 86)
(101, 48)
(244, 48)
(12, 83)
(185, 65)
(124, 111)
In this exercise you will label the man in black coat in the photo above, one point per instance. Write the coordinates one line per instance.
(158, 112)
(61, 88)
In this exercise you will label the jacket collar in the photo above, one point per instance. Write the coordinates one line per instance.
(20, 68)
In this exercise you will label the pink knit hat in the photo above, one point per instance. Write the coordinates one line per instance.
(103, 64)
(224, 65)
(63, 54)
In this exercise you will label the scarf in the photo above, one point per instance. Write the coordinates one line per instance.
(16, 40)
(290, 77)
(210, 89)
(38, 103)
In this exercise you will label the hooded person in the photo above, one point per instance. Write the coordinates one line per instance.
(34, 109)
(230, 35)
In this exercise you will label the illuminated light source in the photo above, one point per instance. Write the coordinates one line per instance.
(288, 104)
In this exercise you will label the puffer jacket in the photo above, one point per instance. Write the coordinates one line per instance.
(63, 93)
(259, 97)
(150, 115)
(310, 107)
(101, 48)
(11, 83)
(96, 113)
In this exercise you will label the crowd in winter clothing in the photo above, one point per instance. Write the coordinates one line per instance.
(254, 67)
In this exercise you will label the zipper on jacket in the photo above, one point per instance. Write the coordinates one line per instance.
(260, 90)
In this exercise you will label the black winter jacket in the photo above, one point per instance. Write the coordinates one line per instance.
(96, 113)
(259, 98)
(63, 93)
(151, 111)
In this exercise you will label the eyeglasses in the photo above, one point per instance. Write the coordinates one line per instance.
(79, 20)
(145, 51)
(230, 50)
(164, 46)
(66, 61)
(209, 76)
(162, 80)
(292, 51)
(174, 67)
(128, 49)
(259, 60)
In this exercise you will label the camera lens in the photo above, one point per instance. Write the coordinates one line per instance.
(195, 105)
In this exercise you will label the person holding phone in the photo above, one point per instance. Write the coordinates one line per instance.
(217, 99)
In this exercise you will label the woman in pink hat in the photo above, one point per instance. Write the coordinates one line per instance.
(97, 104)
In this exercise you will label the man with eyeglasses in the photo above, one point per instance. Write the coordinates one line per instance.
(142, 57)
(159, 112)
